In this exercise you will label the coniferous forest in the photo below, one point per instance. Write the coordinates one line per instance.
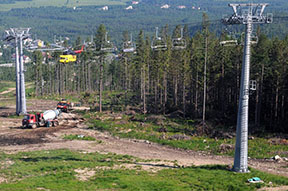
(172, 81)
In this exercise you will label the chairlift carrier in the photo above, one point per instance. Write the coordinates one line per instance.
(129, 46)
(107, 46)
(232, 41)
(179, 43)
(158, 43)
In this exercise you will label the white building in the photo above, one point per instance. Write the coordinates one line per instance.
(27, 59)
(166, 6)
(129, 8)
(105, 8)
(181, 7)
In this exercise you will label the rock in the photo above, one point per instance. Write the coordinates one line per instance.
(173, 124)
(223, 148)
(162, 130)
(163, 136)
(278, 141)
(285, 159)
(277, 158)
(176, 114)
(117, 117)
(160, 123)
(155, 118)
(122, 122)
(130, 112)
(179, 137)
(147, 142)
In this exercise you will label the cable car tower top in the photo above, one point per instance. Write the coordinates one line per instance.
(248, 13)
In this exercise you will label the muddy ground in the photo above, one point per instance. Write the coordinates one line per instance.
(15, 139)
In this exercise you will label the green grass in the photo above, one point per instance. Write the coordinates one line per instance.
(55, 170)
(258, 147)
(79, 137)
(60, 3)
(5, 85)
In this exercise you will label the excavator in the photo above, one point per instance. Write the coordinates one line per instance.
(70, 55)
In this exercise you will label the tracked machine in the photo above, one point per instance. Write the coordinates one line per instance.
(64, 105)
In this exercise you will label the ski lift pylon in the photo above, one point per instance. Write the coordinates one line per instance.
(158, 43)
(179, 43)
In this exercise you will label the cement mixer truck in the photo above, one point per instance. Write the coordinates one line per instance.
(45, 119)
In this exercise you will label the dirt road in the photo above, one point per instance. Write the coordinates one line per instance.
(14, 139)
(7, 91)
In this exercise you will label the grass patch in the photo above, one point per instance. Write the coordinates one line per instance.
(79, 137)
(55, 170)
(150, 130)
(5, 85)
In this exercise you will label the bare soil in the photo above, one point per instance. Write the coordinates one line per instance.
(7, 91)
(14, 139)
(279, 188)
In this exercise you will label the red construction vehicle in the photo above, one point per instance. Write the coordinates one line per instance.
(63, 105)
(47, 119)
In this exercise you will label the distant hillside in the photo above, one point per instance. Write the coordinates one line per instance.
(7, 5)
(58, 17)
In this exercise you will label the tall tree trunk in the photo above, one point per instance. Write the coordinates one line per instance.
(222, 89)
(259, 98)
(101, 84)
(50, 79)
(205, 83)
(37, 80)
(89, 76)
(184, 94)
(126, 79)
(165, 91)
(176, 91)
(144, 92)
(196, 91)
(276, 101)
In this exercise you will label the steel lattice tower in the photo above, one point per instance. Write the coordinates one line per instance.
(246, 14)
(18, 35)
